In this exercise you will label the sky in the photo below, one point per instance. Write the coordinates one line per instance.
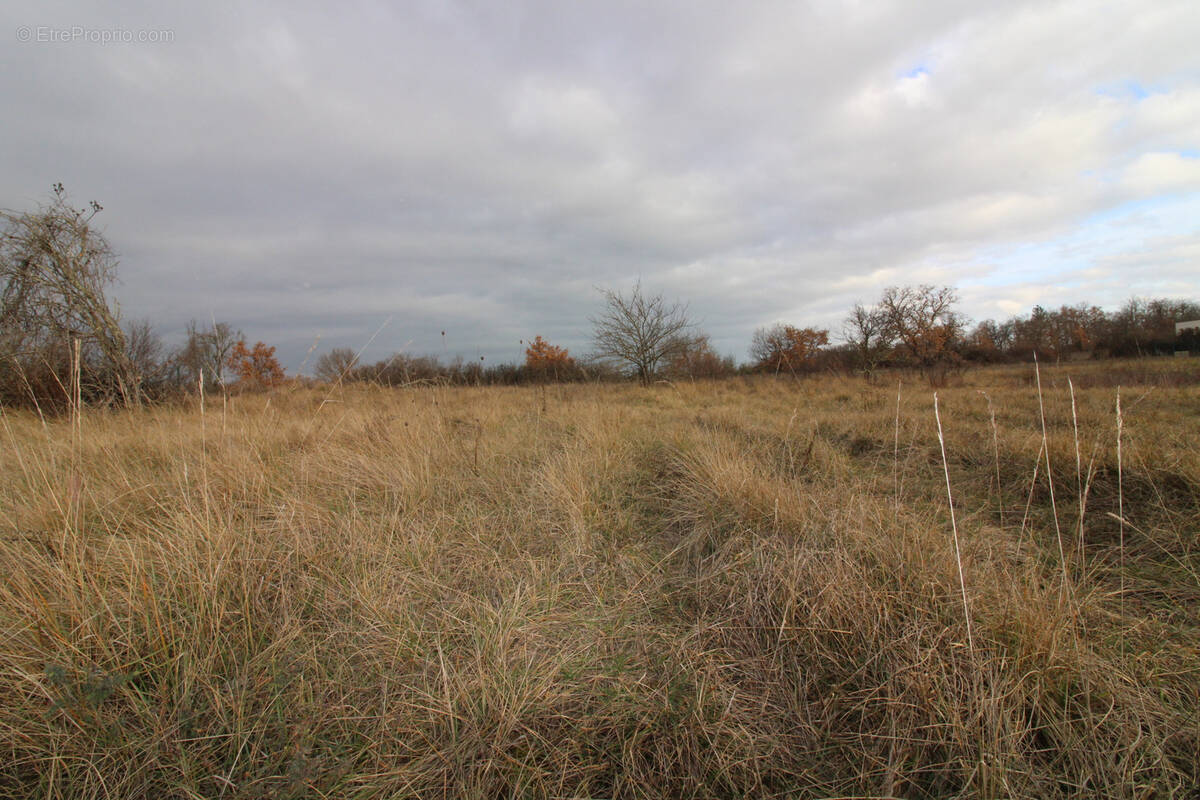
(369, 175)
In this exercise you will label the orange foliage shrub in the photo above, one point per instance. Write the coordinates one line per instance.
(785, 348)
(256, 366)
(543, 358)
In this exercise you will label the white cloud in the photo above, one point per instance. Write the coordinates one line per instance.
(915, 89)
(483, 168)
(1159, 173)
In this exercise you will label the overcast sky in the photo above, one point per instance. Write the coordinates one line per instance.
(316, 170)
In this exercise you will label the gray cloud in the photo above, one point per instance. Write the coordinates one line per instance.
(304, 171)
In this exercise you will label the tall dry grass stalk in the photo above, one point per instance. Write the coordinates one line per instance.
(1121, 501)
(996, 458)
(962, 581)
(1062, 557)
(1079, 493)
(896, 448)
(77, 391)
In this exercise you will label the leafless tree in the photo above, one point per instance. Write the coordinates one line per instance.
(640, 332)
(870, 337)
(336, 364)
(207, 352)
(54, 271)
(697, 359)
(222, 339)
(145, 353)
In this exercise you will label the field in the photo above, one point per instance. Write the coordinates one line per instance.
(754, 587)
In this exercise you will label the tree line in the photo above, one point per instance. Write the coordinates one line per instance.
(63, 340)
(61, 336)
(909, 327)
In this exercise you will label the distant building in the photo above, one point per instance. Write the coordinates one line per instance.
(1192, 325)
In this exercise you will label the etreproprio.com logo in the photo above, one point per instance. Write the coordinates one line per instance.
(81, 33)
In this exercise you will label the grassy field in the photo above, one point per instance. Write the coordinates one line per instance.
(746, 588)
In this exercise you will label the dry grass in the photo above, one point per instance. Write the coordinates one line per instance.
(716, 590)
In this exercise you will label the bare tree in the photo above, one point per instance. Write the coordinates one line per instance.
(640, 332)
(222, 339)
(207, 351)
(870, 337)
(54, 270)
(336, 364)
(697, 359)
(145, 353)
